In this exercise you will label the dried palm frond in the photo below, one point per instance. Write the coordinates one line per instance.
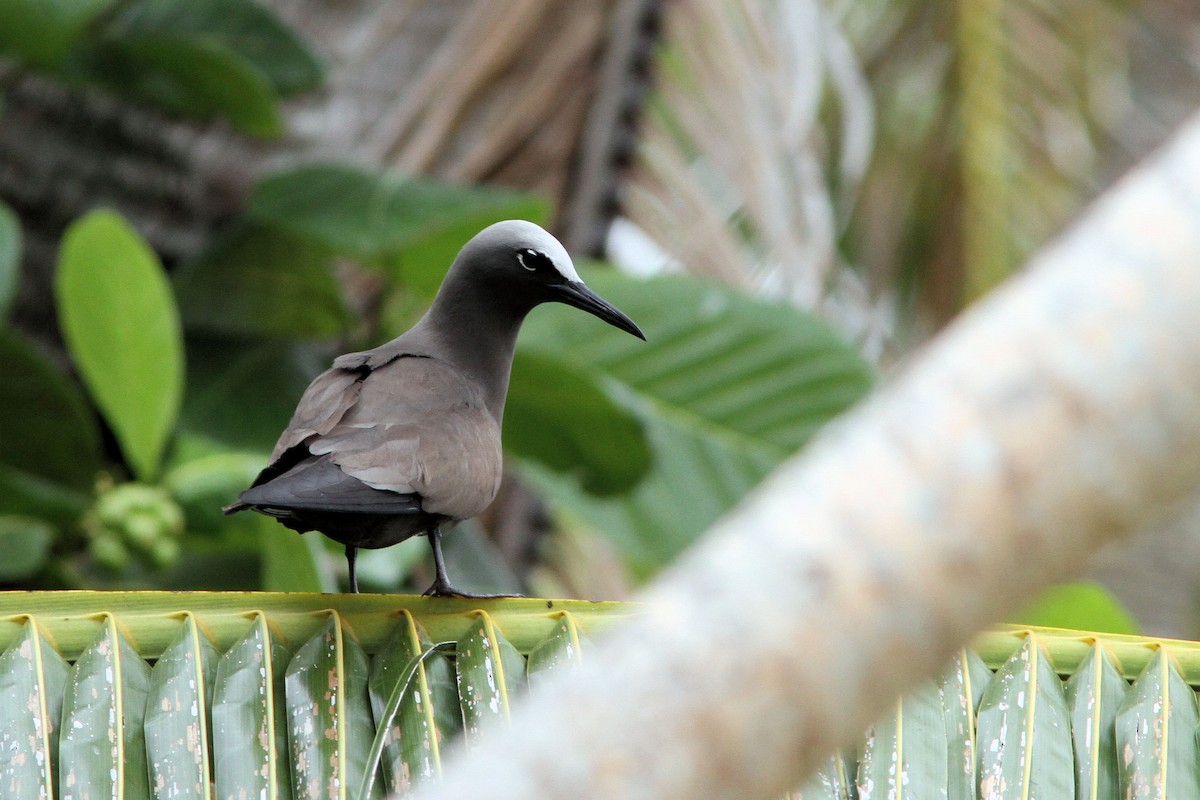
(932, 149)
(997, 123)
(741, 175)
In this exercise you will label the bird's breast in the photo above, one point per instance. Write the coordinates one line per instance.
(461, 462)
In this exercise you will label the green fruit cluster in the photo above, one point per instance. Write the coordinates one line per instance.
(134, 519)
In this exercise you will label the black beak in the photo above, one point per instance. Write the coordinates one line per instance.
(574, 293)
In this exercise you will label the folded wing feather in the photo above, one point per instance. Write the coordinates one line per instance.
(413, 426)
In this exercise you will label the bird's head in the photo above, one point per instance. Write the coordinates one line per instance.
(520, 263)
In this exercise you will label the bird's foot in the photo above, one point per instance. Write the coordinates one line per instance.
(442, 588)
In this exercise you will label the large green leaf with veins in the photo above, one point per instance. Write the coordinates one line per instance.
(727, 386)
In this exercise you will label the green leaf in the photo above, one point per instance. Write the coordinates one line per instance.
(728, 387)
(561, 650)
(374, 214)
(385, 570)
(202, 565)
(477, 561)
(23, 494)
(428, 713)
(25, 543)
(121, 326)
(695, 480)
(906, 751)
(262, 380)
(177, 714)
(490, 672)
(250, 30)
(46, 430)
(1024, 731)
(719, 357)
(42, 32)
(1156, 735)
(194, 77)
(1094, 693)
(329, 717)
(291, 562)
(1083, 606)
(961, 688)
(257, 282)
(834, 780)
(250, 753)
(462, 211)
(10, 252)
(203, 485)
(70, 619)
(32, 677)
(103, 746)
(562, 416)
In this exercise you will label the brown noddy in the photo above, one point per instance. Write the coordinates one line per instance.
(393, 442)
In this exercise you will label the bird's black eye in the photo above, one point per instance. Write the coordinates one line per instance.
(534, 260)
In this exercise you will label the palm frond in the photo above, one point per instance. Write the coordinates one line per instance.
(928, 151)
(741, 174)
(997, 124)
(301, 693)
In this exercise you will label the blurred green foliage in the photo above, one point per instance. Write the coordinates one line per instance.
(727, 385)
(1083, 605)
(114, 467)
(10, 261)
(202, 58)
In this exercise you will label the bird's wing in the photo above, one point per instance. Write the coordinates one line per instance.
(335, 391)
(318, 484)
(408, 424)
(419, 426)
(322, 406)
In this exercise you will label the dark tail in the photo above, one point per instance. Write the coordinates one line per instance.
(234, 508)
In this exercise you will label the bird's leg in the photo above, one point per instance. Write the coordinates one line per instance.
(441, 584)
(351, 555)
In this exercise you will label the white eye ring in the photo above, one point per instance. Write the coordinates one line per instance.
(521, 261)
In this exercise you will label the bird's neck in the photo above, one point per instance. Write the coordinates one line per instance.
(479, 335)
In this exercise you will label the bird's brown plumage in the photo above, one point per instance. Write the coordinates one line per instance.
(413, 425)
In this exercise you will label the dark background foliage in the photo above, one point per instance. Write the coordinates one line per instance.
(157, 388)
